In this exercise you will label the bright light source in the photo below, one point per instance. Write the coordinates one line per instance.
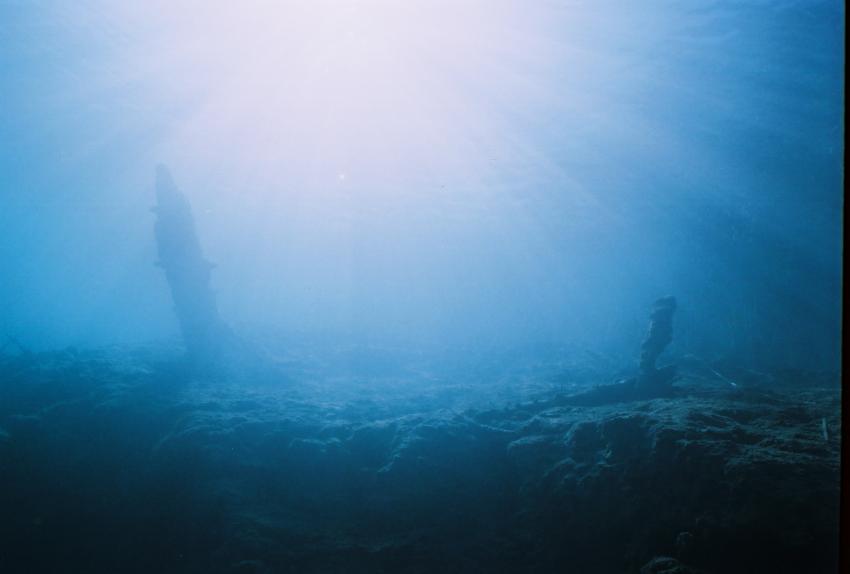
(393, 94)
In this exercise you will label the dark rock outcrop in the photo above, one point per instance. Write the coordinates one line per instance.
(653, 381)
(187, 271)
(112, 474)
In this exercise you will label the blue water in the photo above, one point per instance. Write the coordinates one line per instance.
(417, 209)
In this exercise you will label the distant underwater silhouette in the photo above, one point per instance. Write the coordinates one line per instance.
(187, 271)
(651, 382)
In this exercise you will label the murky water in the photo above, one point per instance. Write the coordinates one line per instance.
(393, 309)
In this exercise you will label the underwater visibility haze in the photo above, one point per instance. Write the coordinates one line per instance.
(421, 286)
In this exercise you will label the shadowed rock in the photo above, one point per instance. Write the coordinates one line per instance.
(652, 382)
(186, 270)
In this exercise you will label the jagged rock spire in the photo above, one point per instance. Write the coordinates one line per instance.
(660, 335)
(186, 270)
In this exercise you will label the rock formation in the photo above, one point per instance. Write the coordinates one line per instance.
(186, 270)
(653, 380)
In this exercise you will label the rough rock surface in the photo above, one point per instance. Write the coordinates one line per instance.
(122, 466)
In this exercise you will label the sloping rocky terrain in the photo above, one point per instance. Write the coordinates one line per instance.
(124, 462)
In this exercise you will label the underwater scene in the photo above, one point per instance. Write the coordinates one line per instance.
(421, 286)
